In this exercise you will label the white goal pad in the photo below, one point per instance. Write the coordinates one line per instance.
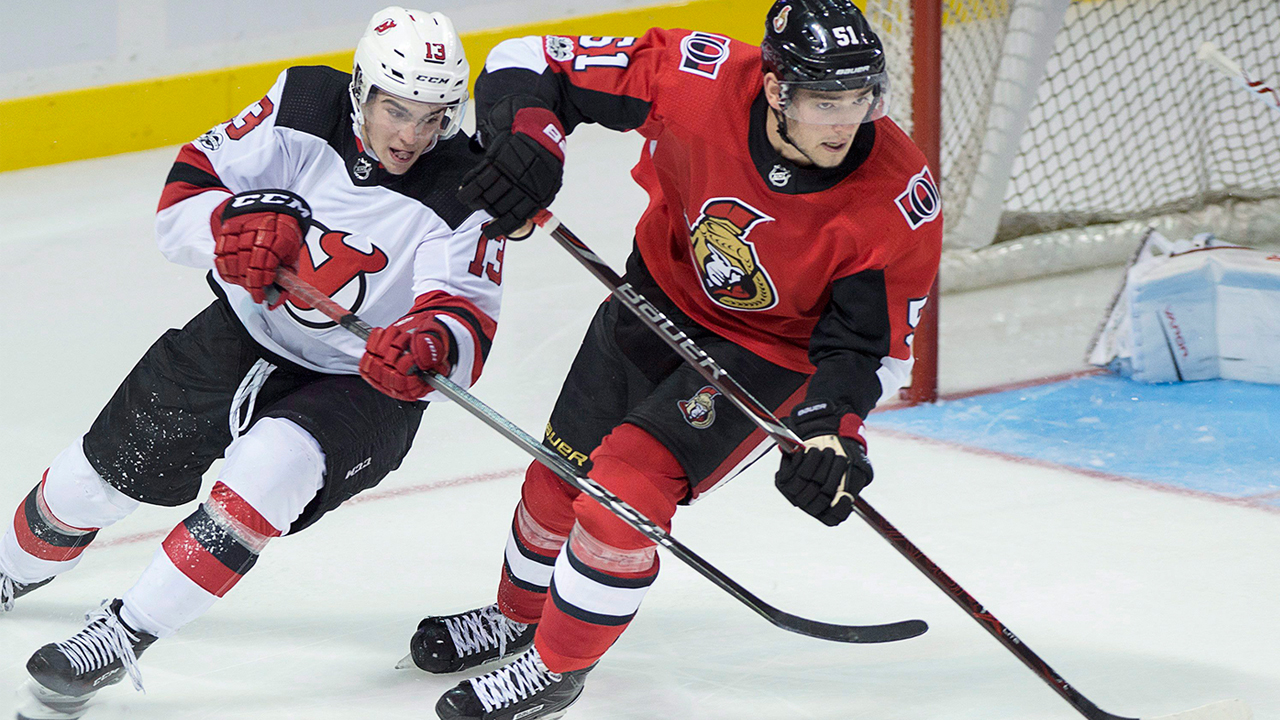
(1194, 310)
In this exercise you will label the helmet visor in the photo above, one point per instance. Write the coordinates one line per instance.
(849, 101)
(425, 117)
(452, 120)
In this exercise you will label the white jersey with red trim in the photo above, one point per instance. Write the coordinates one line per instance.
(377, 241)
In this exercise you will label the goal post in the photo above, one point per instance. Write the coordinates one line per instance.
(1065, 128)
(926, 110)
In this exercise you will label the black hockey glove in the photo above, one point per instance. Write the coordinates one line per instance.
(821, 482)
(523, 166)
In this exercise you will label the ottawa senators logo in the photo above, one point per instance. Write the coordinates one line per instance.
(780, 20)
(340, 272)
(920, 202)
(731, 274)
(700, 410)
(703, 54)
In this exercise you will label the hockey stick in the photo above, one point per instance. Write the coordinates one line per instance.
(889, 632)
(1215, 58)
(765, 419)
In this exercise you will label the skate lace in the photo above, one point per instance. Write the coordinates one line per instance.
(522, 678)
(8, 590)
(482, 629)
(105, 640)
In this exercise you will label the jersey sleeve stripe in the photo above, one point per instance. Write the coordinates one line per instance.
(191, 155)
(191, 174)
(850, 341)
(482, 330)
(482, 326)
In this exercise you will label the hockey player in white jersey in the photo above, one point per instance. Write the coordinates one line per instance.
(350, 180)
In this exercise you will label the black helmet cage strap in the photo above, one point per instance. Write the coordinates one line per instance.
(786, 137)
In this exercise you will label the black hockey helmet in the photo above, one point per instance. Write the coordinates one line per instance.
(824, 45)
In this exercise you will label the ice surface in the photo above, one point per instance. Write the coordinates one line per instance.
(1147, 602)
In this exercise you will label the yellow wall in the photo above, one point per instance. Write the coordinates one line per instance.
(79, 124)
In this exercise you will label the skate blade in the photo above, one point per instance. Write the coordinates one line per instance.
(406, 663)
(37, 702)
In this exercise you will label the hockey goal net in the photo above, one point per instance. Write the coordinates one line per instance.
(1070, 126)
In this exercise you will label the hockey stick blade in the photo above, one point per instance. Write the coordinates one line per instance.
(765, 420)
(1209, 54)
(1223, 710)
(889, 632)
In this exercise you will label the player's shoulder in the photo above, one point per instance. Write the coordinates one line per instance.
(899, 176)
(434, 178)
(315, 100)
(698, 54)
(704, 69)
(895, 152)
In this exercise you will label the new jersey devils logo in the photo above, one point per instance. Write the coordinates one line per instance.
(731, 274)
(339, 273)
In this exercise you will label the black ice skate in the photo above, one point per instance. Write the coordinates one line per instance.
(450, 643)
(11, 590)
(523, 688)
(66, 675)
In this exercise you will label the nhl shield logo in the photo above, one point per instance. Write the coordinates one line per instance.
(700, 410)
(780, 176)
(362, 169)
(731, 273)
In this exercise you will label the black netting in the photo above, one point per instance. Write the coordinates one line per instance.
(1130, 124)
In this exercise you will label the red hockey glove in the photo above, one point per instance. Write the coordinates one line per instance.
(395, 355)
(523, 166)
(821, 480)
(255, 233)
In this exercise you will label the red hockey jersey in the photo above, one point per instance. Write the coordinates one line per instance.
(817, 270)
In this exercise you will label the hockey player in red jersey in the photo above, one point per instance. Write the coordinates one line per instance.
(351, 181)
(793, 232)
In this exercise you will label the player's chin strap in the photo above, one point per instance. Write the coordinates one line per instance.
(781, 118)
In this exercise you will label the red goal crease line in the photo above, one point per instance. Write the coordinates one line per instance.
(992, 389)
(371, 496)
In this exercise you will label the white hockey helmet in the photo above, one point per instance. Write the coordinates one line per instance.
(413, 55)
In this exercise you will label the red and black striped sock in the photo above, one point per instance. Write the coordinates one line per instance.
(220, 542)
(40, 534)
